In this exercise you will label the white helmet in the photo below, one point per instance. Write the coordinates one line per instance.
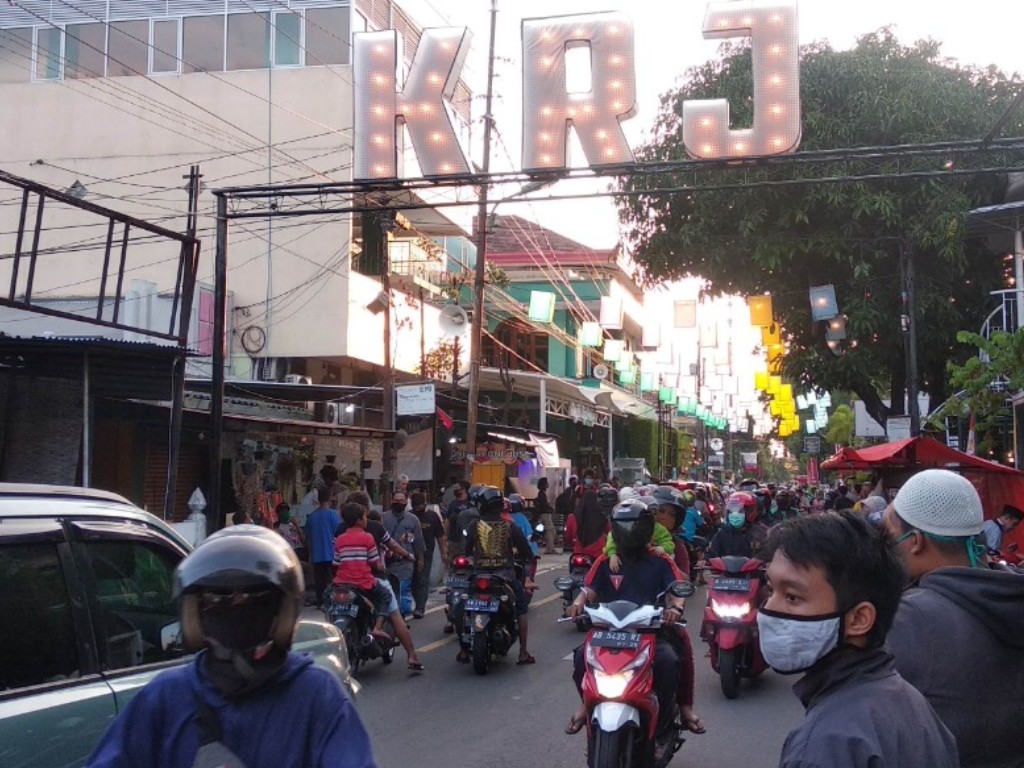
(627, 493)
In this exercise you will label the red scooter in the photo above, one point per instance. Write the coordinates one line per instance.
(622, 711)
(730, 620)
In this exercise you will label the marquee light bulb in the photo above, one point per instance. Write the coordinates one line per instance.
(615, 61)
(775, 80)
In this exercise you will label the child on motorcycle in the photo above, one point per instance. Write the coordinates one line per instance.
(355, 559)
(662, 541)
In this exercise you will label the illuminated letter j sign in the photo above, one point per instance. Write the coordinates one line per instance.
(772, 27)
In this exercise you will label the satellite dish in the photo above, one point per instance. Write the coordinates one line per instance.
(600, 371)
(453, 320)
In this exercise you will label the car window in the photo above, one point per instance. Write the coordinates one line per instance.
(37, 633)
(130, 600)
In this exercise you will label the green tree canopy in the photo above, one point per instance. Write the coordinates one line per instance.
(785, 239)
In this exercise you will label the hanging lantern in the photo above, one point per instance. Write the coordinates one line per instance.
(664, 393)
(627, 376)
(685, 314)
(611, 313)
(771, 334)
(651, 338)
(542, 307)
(823, 302)
(760, 309)
(774, 385)
(590, 334)
(836, 330)
(709, 336)
(761, 381)
(613, 350)
(811, 427)
(647, 382)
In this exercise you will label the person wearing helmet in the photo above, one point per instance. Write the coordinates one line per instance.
(517, 513)
(736, 537)
(586, 530)
(627, 493)
(607, 499)
(661, 542)
(240, 594)
(498, 545)
(644, 576)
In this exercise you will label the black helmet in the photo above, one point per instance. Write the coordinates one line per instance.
(240, 590)
(516, 503)
(607, 497)
(632, 526)
(490, 502)
(473, 493)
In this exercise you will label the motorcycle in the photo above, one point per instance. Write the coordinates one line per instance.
(730, 621)
(352, 612)
(455, 585)
(570, 586)
(484, 615)
(622, 711)
(696, 549)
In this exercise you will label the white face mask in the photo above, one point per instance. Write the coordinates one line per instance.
(792, 644)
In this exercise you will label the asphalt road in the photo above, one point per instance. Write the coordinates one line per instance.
(449, 717)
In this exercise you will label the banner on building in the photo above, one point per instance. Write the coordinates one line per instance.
(749, 461)
(415, 400)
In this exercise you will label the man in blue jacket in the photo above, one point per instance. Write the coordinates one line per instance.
(245, 700)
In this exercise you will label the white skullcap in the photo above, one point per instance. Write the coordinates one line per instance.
(940, 502)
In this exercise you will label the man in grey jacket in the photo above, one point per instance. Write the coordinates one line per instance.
(404, 527)
(958, 636)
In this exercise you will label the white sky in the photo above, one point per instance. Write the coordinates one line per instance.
(669, 41)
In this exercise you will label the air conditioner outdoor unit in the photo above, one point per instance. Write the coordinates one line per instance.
(294, 378)
(331, 413)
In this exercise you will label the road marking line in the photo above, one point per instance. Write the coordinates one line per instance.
(453, 637)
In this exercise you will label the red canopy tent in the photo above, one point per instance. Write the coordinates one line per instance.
(895, 462)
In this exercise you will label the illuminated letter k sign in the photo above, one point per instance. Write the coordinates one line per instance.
(421, 104)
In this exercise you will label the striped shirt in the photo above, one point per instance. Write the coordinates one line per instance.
(355, 554)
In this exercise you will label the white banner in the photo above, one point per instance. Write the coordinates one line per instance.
(415, 400)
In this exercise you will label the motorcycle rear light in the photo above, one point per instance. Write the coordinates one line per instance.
(579, 561)
(461, 562)
(341, 595)
(482, 583)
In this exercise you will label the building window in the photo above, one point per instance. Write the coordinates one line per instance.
(327, 36)
(517, 346)
(15, 55)
(128, 48)
(48, 53)
(202, 44)
(84, 50)
(248, 41)
(287, 40)
(165, 47)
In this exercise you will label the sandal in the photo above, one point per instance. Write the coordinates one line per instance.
(415, 666)
(448, 628)
(462, 657)
(575, 724)
(417, 614)
(695, 725)
(525, 659)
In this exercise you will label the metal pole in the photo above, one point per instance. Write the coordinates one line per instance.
(1018, 268)
(476, 334)
(543, 395)
(388, 387)
(611, 445)
(215, 520)
(914, 408)
(86, 424)
(178, 372)
(423, 338)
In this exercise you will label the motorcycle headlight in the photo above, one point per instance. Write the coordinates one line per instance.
(730, 610)
(612, 686)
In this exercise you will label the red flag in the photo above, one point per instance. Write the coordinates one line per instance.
(444, 417)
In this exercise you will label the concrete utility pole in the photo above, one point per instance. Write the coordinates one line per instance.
(909, 327)
(476, 333)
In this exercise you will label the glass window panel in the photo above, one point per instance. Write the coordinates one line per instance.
(37, 634)
(48, 53)
(327, 36)
(128, 48)
(133, 603)
(165, 45)
(287, 31)
(84, 50)
(202, 44)
(248, 41)
(15, 55)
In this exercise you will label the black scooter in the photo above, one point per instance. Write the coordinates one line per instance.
(351, 611)
(484, 615)
(570, 586)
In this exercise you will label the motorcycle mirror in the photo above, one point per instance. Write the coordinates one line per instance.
(564, 582)
(681, 589)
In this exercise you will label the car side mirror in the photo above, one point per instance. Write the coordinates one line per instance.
(681, 589)
(170, 637)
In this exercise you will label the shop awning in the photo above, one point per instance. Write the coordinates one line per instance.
(914, 452)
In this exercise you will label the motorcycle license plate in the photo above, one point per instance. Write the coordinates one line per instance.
(458, 582)
(344, 609)
(731, 585)
(483, 606)
(604, 638)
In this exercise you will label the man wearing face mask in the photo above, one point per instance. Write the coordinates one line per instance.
(959, 632)
(735, 537)
(835, 585)
(404, 527)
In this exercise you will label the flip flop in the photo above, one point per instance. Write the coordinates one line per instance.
(524, 660)
(417, 614)
(448, 629)
(696, 725)
(575, 725)
(462, 657)
(415, 666)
